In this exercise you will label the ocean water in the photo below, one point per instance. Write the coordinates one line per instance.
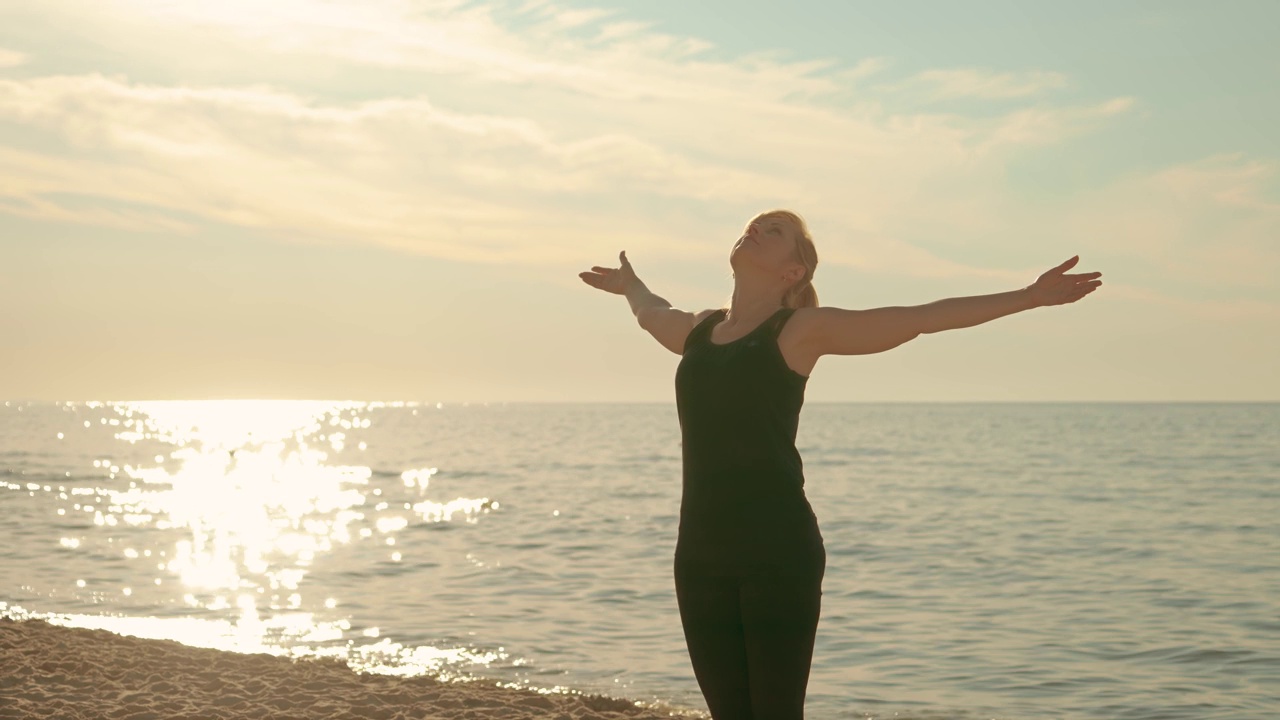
(1011, 561)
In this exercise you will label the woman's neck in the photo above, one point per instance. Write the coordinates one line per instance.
(750, 309)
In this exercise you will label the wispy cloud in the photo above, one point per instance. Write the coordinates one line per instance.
(402, 173)
(983, 84)
(1202, 224)
(11, 58)
(536, 133)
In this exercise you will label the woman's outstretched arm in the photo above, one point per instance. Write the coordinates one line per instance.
(835, 331)
(666, 324)
(962, 312)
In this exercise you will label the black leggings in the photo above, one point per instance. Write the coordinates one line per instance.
(750, 639)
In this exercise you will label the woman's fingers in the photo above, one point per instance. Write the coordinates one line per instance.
(608, 283)
(596, 282)
(1061, 270)
(610, 279)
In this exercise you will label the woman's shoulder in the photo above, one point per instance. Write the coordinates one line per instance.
(700, 320)
(800, 323)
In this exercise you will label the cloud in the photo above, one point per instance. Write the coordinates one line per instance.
(538, 134)
(400, 173)
(11, 58)
(1044, 126)
(570, 48)
(1203, 224)
(983, 84)
(1189, 308)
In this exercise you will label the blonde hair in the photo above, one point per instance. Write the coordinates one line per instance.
(802, 294)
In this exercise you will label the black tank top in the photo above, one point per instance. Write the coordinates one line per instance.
(743, 505)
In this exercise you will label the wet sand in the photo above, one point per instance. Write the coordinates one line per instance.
(49, 671)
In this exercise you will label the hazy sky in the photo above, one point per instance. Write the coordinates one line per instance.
(392, 199)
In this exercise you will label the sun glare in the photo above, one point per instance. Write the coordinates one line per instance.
(236, 515)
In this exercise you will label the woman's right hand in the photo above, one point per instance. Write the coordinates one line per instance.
(614, 280)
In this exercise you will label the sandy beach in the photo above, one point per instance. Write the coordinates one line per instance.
(48, 671)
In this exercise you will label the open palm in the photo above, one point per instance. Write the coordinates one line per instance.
(1055, 287)
(614, 280)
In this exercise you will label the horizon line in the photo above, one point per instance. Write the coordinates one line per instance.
(442, 403)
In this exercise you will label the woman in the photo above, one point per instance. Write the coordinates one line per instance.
(749, 558)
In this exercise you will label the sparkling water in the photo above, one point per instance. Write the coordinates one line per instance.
(1034, 560)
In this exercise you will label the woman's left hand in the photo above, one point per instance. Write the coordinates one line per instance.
(1055, 287)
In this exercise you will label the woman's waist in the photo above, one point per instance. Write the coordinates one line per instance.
(737, 473)
(738, 487)
(771, 509)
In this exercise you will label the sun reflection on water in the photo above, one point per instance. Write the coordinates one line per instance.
(237, 514)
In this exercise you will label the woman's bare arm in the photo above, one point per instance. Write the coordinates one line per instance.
(836, 331)
(666, 324)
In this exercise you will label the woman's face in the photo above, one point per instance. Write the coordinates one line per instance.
(768, 243)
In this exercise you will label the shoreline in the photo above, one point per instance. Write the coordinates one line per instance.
(68, 672)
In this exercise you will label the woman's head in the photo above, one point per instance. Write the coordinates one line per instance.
(777, 251)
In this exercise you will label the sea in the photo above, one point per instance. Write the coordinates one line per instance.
(984, 560)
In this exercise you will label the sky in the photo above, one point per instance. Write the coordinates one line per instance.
(392, 199)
